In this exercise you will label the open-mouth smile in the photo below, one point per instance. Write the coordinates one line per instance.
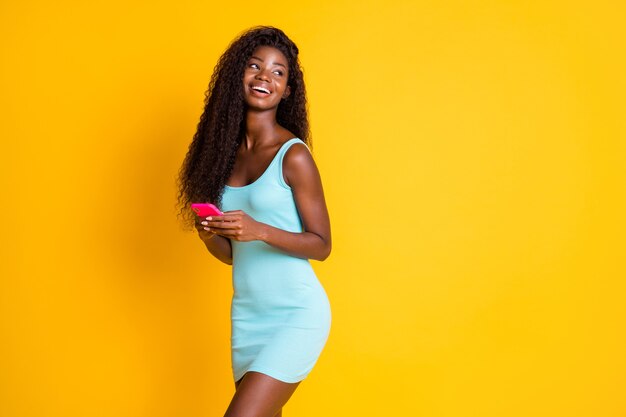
(261, 90)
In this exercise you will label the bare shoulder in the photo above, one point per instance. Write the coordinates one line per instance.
(298, 164)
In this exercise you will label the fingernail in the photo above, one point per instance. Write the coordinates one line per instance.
(209, 218)
(204, 223)
(207, 228)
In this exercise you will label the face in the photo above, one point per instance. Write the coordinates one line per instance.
(265, 78)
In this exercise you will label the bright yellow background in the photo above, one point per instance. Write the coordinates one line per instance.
(473, 160)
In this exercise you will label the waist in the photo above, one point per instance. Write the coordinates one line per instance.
(258, 295)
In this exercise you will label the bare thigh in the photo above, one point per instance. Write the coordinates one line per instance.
(259, 395)
(280, 412)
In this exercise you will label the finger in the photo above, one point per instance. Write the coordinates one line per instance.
(219, 222)
(224, 218)
(232, 214)
(230, 233)
(216, 218)
(223, 225)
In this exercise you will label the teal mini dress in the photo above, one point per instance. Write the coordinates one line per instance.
(280, 313)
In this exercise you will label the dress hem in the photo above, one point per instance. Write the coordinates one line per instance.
(272, 373)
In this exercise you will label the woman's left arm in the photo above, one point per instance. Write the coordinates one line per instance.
(303, 177)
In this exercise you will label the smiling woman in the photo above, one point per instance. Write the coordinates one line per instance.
(251, 157)
(265, 76)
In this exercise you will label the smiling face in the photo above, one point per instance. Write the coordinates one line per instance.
(265, 78)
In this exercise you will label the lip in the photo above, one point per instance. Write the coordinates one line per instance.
(258, 93)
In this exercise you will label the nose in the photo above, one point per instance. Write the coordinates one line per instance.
(262, 75)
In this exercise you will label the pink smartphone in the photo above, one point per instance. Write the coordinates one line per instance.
(206, 209)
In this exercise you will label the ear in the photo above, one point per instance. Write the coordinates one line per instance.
(287, 92)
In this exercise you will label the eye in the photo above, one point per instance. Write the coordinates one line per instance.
(278, 72)
(253, 65)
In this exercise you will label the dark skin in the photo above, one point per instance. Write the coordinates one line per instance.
(258, 394)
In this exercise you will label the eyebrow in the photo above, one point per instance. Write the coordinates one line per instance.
(275, 63)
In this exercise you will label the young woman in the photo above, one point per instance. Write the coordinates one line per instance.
(250, 157)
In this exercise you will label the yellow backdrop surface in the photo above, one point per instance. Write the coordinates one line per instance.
(472, 155)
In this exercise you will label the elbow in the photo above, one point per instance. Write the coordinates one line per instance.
(325, 253)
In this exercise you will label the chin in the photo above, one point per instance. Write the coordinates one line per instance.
(256, 106)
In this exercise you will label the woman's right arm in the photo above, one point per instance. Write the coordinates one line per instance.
(219, 246)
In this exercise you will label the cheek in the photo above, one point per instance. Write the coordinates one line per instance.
(282, 87)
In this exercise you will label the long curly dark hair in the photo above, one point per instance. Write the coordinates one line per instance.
(211, 156)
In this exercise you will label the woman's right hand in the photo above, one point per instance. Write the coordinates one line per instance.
(202, 232)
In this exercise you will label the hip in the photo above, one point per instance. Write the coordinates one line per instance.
(281, 297)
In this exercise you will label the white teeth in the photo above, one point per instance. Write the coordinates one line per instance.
(265, 90)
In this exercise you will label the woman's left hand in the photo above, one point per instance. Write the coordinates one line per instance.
(236, 225)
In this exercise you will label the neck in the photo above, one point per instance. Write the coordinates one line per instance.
(260, 128)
